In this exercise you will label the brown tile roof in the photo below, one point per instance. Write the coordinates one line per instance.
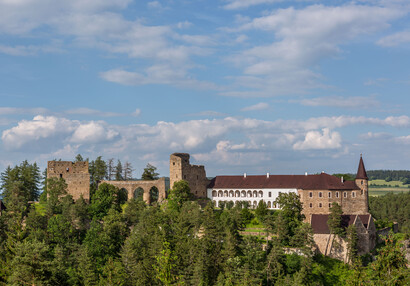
(361, 171)
(319, 222)
(305, 182)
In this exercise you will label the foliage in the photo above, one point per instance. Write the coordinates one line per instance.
(149, 173)
(335, 220)
(179, 194)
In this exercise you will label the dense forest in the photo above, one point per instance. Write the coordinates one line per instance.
(111, 241)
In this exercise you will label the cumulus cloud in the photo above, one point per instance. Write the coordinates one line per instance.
(17, 110)
(286, 65)
(92, 112)
(41, 127)
(318, 140)
(93, 132)
(258, 106)
(239, 4)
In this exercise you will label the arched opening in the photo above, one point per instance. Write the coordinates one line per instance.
(237, 194)
(225, 193)
(214, 194)
(269, 205)
(255, 194)
(153, 194)
(260, 194)
(243, 194)
(249, 194)
(231, 193)
(139, 193)
(220, 194)
(122, 196)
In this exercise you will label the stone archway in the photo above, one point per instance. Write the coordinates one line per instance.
(145, 185)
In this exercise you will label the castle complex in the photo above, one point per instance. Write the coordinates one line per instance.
(317, 193)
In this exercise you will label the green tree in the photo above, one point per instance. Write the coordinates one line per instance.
(352, 242)
(56, 190)
(150, 173)
(118, 171)
(261, 210)
(78, 158)
(179, 194)
(104, 198)
(98, 171)
(335, 220)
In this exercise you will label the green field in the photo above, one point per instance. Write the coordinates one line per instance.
(381, 187)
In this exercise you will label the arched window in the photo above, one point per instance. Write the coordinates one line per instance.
(153, 195)
(255, 203)
(138, 193)
(329, 194)
(320, 194)
(225, 193)
(345, 194)
(220, 194)
(320, 205)
(353, 194)
(243, 194)
(269, 205)
(249, 194)
(255, 194)
(337, 194)
(260, 194)
(214, 194)
(237, 194)
(310, 195)
(231, 193)
(310, 205)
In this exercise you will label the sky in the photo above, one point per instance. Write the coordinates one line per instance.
(254, 86)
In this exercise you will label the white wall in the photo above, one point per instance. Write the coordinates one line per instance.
(267, 195)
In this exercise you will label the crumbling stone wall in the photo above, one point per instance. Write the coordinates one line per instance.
(145, 185)
(76, 176)
(181, 169)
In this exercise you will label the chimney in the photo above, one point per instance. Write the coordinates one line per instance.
(267, 175)
(323, 172)
(342, 179)
(305, 173)
(244, 175)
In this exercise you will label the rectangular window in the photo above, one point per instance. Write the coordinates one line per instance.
(353, 194)
(345, 194)
(320, 194)
(270, 194)
(310, 195)
(330, 194)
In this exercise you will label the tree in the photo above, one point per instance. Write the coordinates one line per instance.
(127, 171)
(78, 158)
(104, 198)
(110, 169)
(149, 173)
(98, 171)
(352, 241)
(335, 220)
(56, 189)
(261, 210)
(118, 171)
(179, 194)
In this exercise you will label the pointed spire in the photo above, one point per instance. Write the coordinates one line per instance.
(361, 171)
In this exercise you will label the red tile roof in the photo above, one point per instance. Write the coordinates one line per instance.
(319, 222)
(305, 182)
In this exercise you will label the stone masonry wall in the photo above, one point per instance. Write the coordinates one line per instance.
(76, 176)
(181, 169)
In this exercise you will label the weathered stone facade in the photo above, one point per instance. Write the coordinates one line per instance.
(181, 169)
(146, 187)
(76, 176)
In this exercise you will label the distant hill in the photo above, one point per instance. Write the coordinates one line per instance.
(387, 175)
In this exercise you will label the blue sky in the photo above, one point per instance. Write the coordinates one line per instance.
(250, 86)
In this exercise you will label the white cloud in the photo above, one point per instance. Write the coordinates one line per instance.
(92, 112)
(258, 106)
(288, 65)
(93, 132)
(154, 5)
(239, 4)
(17, 110)
(317, 140)
(342, 101)
(41, 127)
(395, 39)
(137, 112)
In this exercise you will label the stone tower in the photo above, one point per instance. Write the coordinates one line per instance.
(181, 169)
(76, 176)
(362, 182)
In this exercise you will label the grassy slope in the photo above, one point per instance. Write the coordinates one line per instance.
(376, 187)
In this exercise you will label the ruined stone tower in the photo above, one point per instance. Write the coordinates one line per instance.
(180, 169)
(76, 176)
